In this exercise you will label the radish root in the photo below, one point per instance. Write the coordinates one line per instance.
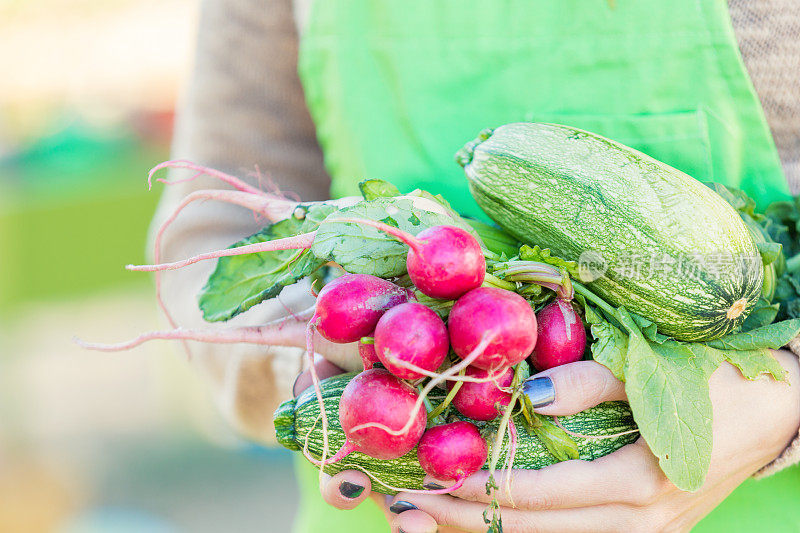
(200, 171)
(298, 242)
(310, 329)
(271, 209)
(273, 334)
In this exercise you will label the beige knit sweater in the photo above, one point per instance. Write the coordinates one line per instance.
(244, 109)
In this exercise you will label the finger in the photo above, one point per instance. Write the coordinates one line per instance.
(383, 501)
(325, 369)
(342, 355)
(414, 521)
(629, 476)
(346, 489)
(572, 388)
(450, 511)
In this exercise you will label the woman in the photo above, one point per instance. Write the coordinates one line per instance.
(394, 89)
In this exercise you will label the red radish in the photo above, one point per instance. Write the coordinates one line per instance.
(505, 314)
(452, 451)
(349, 307)
(478, 401)
(562, 337)
(411, 333)
(376, 396)
(446, 262)
(366, 349)
(442, 262)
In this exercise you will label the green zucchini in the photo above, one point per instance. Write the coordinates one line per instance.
(296, 418)
(590, 198)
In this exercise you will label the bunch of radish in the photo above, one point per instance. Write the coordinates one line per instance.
(489, 330)
(407, 349)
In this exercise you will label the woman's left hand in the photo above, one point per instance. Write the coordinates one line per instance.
(626, 491)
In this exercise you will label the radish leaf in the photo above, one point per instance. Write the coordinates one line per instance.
(365, 250)
(375, 188)
(240, 282)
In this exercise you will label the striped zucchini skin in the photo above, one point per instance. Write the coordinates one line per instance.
(574, 192)
(294, 420)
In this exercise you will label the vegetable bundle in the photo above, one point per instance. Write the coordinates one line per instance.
(450, 314)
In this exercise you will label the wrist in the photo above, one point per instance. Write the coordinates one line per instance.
(788, 433)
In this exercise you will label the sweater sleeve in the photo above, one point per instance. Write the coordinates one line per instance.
(243, 111)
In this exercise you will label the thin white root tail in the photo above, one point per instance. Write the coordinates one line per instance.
(509, 466)
(201, 170)
(467, 379)
(272, 209)
(285, 333)
(310, 328)
(297, 242)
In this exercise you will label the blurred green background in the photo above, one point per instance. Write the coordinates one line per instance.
(102, 442)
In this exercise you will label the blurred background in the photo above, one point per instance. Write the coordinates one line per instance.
(89, 441)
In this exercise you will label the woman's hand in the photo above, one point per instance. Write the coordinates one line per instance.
(626, 491)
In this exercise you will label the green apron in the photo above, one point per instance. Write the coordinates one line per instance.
(396, 87)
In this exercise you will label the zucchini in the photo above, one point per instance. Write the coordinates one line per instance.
(296, 418)
(577, 193)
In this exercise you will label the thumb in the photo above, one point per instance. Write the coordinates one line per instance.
(572, 388)
(346, 489)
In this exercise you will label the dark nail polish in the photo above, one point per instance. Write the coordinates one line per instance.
(294, 385)
(540, 391)
(432, 486)
(401, 507)
(350, 490)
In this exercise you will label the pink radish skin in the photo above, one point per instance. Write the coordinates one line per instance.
(367, 352)
(377, 396)
(413, 333)
(452, 451)
(562, 337)
(478, 400)
(446, 263)
(504, 313)
(442, 262)
(350, 306)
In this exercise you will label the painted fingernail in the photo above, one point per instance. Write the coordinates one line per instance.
(401, 507)
(350, 490)
(540, 391)
(432, 486)
(294, 385)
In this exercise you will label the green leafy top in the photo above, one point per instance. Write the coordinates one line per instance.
(543, 255)
(375, 188)
(363, 249)
(239, 282)
(666, 381)
(759, 225)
